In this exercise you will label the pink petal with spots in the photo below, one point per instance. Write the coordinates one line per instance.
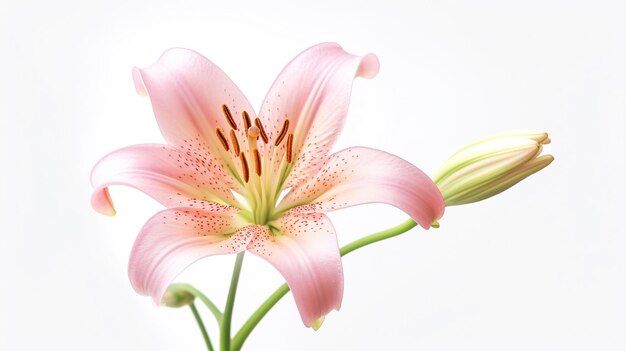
(361, 175)
(306, 253)
(187, 92)
(174, 177)
(313, 92)
(175, 238)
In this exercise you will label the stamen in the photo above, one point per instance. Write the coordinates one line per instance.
(282, 133)
(257, 121)
(246, 120)
(289, 147)
(244, 167)
(229, 117)
(257, 162)
(222, 139)
(233, 138)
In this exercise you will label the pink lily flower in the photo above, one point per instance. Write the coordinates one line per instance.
(235, 180)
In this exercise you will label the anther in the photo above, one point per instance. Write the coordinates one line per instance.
(282, 133)
(229, 117)
(246, 120)
(244, 167)
(257, 162)
(233, 138)
(222, 138)
(289, 147)
(257, 121)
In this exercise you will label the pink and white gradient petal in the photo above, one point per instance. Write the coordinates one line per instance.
(175, 238)
(360, 175)
(174, 177)
(306, 253)
(187, 92)
(313, 92)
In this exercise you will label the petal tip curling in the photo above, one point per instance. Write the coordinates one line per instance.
(101, 202)
(368, 67)
(138, 80)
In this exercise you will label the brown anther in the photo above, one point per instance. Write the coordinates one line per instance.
(246, 121)
(257, 121)
(289, 147)
(229, 117)
(257, 162)
(282, 133)
(233, 138)
(244, 167)
(222, 138)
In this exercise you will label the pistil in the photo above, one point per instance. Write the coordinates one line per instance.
(257, 162)
(262, 189)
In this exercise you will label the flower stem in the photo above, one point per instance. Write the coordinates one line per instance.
(256, 317)
(205, 335)
(198, 294)
(382, 235)
(230, 301)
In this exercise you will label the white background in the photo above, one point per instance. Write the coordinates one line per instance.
(541, 267)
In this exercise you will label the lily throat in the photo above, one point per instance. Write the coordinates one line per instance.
(260, 163)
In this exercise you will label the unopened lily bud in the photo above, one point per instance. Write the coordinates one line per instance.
(176, 296)
(489, 166)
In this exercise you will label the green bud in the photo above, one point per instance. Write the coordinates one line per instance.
(490, 166)
(176, 296)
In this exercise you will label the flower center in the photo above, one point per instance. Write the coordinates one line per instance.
(270, 163)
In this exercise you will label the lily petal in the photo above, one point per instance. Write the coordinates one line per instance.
(174, 177)
(306, 253)
(313, 92)
(188, 92)
(361, 175)
(175, 238)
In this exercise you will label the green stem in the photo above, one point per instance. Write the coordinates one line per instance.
(382, 235)
(256, 317)
(205, 335)
(230, 301)
(198, 294)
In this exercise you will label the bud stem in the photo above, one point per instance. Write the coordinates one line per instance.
(198, 294)
(205, 335)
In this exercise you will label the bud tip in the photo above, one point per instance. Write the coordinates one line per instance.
(177, 297)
